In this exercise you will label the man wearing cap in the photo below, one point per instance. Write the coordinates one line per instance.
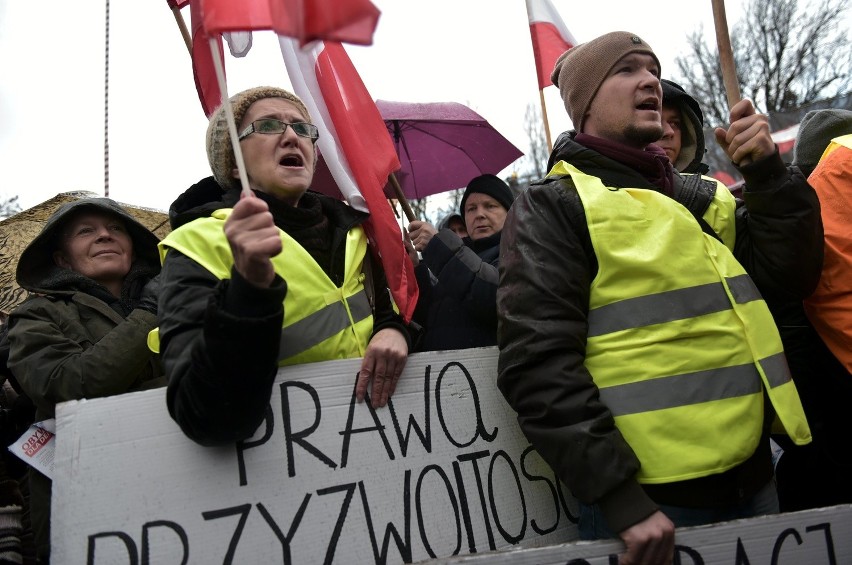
(817, 334)
(280, 277)
(458, 275)
(824, 151)
(634, 344)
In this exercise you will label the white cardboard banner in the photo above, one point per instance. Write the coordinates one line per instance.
(822, 536)
(444, 469)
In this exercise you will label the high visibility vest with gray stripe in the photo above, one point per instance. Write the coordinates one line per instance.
(321, 320)
(680, 343)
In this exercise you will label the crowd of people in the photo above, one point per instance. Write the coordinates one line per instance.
(677, 355)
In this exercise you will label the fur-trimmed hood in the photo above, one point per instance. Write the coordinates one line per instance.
(37, 271)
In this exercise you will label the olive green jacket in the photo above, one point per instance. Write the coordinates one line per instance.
(70, 345)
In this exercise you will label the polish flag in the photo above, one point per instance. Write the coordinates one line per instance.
(550, 38)
(785, 139)
(206, 83)
(353, 139)
(349, 21)
(355, 145)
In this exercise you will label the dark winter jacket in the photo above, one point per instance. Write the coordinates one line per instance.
(817, 474)
(460, 300)
(71, 339)
(542, 341)
(219, 339)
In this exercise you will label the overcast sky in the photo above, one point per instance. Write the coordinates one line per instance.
(476, 52)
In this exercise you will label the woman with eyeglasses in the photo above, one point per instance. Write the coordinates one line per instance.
(281, 277)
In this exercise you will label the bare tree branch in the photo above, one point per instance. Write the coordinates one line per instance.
(9, 207)
(786, 54)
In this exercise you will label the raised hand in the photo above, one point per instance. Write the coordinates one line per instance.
(254, 240)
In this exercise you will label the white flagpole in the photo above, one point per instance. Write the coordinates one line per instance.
(229, 116)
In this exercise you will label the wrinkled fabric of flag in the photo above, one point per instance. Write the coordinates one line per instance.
(550, 38)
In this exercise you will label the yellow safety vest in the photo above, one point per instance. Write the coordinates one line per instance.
(321, 320)
(680, 342)
(721, 213)
(842, 141)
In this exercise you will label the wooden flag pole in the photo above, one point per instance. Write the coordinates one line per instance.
(400, 196)
(187, 39)
(544, 119)
(726, 55)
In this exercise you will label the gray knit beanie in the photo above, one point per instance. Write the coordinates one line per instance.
(220, 154)
(816, 131)
(580, 71)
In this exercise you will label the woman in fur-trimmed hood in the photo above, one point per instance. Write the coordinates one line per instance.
(82, 333)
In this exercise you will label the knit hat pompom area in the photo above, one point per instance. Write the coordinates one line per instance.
(220, 153)
(580, 71)
(493, 186)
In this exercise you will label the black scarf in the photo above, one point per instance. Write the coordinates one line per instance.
(306, 223)
(652, 162)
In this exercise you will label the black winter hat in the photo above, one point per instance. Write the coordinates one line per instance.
(493, 186)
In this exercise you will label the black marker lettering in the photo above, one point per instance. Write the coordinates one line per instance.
(243, 512)
(404, 547)
(418, 496)
(299, 437)
(480, 425)
(741, 557)
(349, 489)
(129, 544)
(181, 533)
(506, 535)
(538, 478)
(776, 551)
(425, 438)
(349, 430)
(465, 509)
(680, 550)
(242, 446)
(287, 557)
(473, 457)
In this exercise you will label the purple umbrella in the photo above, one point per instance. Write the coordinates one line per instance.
(441, 146)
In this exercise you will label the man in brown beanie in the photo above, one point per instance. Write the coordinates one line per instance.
(634, 344)
(277, 278)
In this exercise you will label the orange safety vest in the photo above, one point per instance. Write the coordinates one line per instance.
(829, 308)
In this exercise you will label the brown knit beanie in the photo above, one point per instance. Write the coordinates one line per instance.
(220, 153)
(580, 71)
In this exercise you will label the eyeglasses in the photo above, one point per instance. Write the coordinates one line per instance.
(273, 126)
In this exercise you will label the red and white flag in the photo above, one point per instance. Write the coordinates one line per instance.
(203, 70)
(353, 139)
(358, 150)
(550, 38)
(349, 21)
